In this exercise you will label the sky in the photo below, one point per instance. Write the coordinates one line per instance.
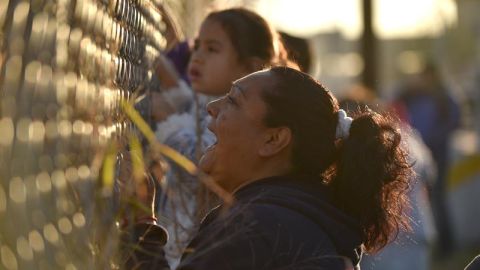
(392, 18)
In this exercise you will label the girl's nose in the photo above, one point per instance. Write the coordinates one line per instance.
(212, 108)
(196, 56)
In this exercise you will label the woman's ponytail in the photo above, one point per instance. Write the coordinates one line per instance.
(372, 177)
(361, 159)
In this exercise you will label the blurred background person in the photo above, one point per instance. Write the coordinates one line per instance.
(411, 250)
(428, 106)
(299, 51)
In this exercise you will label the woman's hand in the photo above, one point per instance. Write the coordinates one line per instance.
(137, 194)
(142, 240)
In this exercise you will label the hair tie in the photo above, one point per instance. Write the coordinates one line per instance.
(343, 126)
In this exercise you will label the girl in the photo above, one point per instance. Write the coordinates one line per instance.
(313, 187)
(230, 44)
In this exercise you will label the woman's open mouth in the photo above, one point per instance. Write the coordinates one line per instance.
(207, 160)
(210, 147)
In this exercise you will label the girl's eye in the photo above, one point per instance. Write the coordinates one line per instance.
(196, 45)
(212, 49)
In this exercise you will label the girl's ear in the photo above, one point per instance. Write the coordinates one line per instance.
(255, 64)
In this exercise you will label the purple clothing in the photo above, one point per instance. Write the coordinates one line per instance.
(180, 56)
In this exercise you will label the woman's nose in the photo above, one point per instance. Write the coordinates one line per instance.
(212, 108)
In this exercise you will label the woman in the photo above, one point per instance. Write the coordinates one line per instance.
(313, 188)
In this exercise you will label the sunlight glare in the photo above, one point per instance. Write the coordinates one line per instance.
(393, 19)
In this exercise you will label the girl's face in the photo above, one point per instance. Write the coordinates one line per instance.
(214, 62)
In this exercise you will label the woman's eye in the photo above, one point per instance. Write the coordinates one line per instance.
(231, 100)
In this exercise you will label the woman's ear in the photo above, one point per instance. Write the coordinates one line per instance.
(276, 140)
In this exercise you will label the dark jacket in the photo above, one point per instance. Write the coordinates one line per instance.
(275, 223)
(474, 264)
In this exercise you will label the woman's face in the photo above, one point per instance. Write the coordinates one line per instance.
(214, 62)
(237, 122)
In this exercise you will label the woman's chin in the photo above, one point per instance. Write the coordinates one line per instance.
(206, 162)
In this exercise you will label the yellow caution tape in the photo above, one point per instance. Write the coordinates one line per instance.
(171, 153)
(108, 168)
(145, 129)
(137, 158)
